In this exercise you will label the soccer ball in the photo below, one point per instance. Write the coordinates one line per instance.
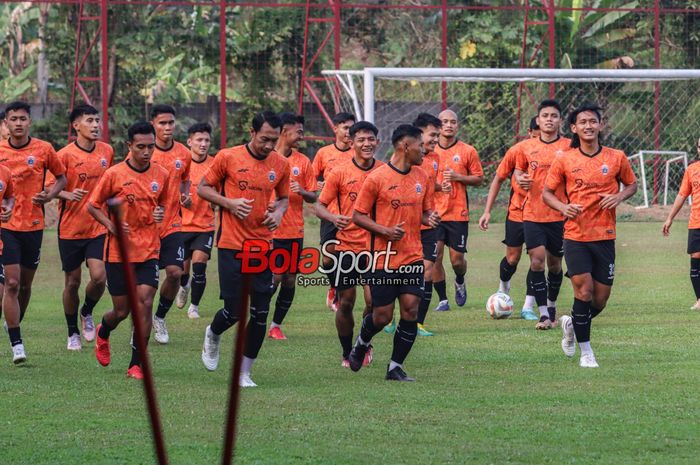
(499, 306)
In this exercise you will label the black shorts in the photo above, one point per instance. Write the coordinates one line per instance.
(22, 247)
(428, 239)
(75, 252)
(549, 235)
(386, 287)
(344, 274)
(454, 234)
(596, 258)
(328, 231)
(172, 251)
(146, 273)
(231, 276)
(286, 244)
(202, 241)
(693, 241)
(515, 234)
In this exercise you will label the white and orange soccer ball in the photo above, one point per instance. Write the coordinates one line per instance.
(499, 306)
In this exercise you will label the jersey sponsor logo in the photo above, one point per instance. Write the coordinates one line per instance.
(103, 162)
(534, 165)
(178, 164)
(578, 182)
(392, 187)
(456, 159)
(154, 186)
(83, 177)
(419, 188)
(31, 160)
(604, 169)
(396, 204)
(271, 176)
(295, 171)
(243, 185)
(352, 196)
(131, 198)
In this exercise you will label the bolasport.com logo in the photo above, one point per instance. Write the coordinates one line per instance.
(342, 267)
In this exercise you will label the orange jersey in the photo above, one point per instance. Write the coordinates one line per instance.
(176, 161)
(390, 197)
(535, 157)
(462, 159)
(584, 179)
(83, 171)
(140, 193)
(29, 165)
(690, 187)
(326, 158)
(300, 170)
(517, 194)
(342, 188)
(431, 166)
(200, 216)
(243, 175)
(6, 190)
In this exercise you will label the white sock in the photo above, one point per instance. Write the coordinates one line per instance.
(551, 303)
(361, 342)
(246, 365)
(529, 301)
(585, 348)
(274, 325)
(194, 307)
(543, 311)
(504, 286)
(393, 364)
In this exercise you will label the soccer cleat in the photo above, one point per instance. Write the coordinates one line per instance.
(161, 331)
(135, 372)
(193, 312)
(694, 307)
(422, 331)
(369, 356)
(357, 356)
(391, 327)
(528, 314)
(74, 342)
(88, 327)
(568, 341)
(245, 381)
(276, 333)
(181, 297)
(4, 326)
(210, 350)
(544, 324)
(102, 352)
(330, 299)
(397, 374)
(443, 306)
(461, 294)
(345, 363)
(588, 361)
(18, 355)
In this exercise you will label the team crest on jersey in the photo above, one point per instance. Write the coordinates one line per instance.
(2, 186)
(295, 171)
(419, 188)
(30, 160)
(154, 186)
(604, 169)
(456, 159)
(435, 166)
(178, 164)
(271, 176)
(103, 162)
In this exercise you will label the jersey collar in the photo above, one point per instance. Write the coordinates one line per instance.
(198, 162)
(135, 169)
(600, 149)
(29, 141)
(450, 146)
(339, 149)
(85, 150)
(551, 141)
(404, 173)
(250, 152)
(374, 160)
(172, 145)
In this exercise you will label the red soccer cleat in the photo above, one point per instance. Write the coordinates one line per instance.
(276, 333)
(332, 300)
(369, 356)
(102, 352)
(135, 372)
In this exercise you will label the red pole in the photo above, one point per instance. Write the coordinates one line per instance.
(336, 38)
(552, 51)
(222, 71)
(657, 97)
(104, 81)
(302, 80)
(444, 52)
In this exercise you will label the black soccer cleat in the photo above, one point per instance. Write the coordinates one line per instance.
(357, 356)
(397, 374)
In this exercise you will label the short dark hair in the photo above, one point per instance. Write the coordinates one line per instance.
(549, 103)
(161, 109)
(2, 114)
(342, 117)
(363, 126)
(533, 124)
(140, 127)
(18, 105)
(403, 131)
(267, 116)
(81, 110)
(199, 127)
(423, 120)
(586, 106)
(290, 119)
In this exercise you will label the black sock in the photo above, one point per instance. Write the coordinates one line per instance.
(226, 317)
(695, 275)
(595, 312)
(282, 304)
(507, 270)
(368, 329)
(257, 324)
(404, 338)
(425, 302)
(441, 289)
(15, 336)
(105, 329)
(538, 283)
(185, 279)
(135, 356)
(530, 291)
(346, 344)
(554, 284)
(552, 313)
(581, 313)
(88, 306)
(199, 281)
(163, 307)
(459, 278)
(72, 322)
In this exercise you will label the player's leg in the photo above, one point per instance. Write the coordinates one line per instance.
(181, 297)
(344, 320)
(328, 233)
(538, 283)
(260, 297)
(508, 267)
(603, 274)
(10, 305)
(405, 336)
(94, 290)
(429, 245)
(694, 252)
(439, 270)
(457, 234)
(30, 243)
(146, 293)
(555, 275)
(71, 301)
(119, 312)
(172, 257)
(26, 279)
(2, 284)
(198, 283)
(287, 288)
(514, 241)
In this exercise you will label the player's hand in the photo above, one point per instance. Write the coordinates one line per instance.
(158, 214)
(666, 229)
(524, 181)
(241, 207)
(396, 233)
(341, 222)
(272, 219)
(41, 198)
(5, 214)
(434, 219)
(77, 195)
(319, 185)
(449, 175)
(186, 200)
(609, 201)
(446, 186)
(294, 187)
(571, 210)
(484, 221)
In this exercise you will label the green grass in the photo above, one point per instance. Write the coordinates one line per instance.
(488, 392)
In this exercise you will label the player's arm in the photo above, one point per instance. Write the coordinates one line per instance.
(625, 177)
(365, 201)
(8, 203)
(494, 189)
(239, 207)
(329, 193)
(97, 201)
(466, 179)
(58, 169)
(309, 197)
(556, 178)
(274, 214)
(677, 205)
(185, 197)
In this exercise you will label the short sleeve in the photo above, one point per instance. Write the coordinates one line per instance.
(555, 177)
(520, 161)
(368, 195)
(217, 171)
(330, 188)
(428, 203)
(317, 165)
(103, 191)
(626, 175)
(282, 187)
(686, 188)
(54, 163)
(185, 176)
(474, 167)
(507, 165)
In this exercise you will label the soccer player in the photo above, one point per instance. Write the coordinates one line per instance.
(326, 158)
(460, 166)
(142, 187)
(342, 186)
(4, 130)
(249, 174)
(543, 227)
(28, 159)
(7, 202)
(393, 202)
(81, 239)
(514, 237)
(198, 223)
(591, 175)
(302, 188)
(176, 159)
(690, 187)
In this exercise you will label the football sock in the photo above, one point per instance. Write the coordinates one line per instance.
(459, 278)
(554, 284)
(538, 283)
(257, 324)
(393, 364)
(163, 307)
(695, 275)
(199, 281)
(552, 309)
(441, 289)
(404, 338)
(72, 322)
(425, 302)
(529, 301)
(581, 313)
(368, 330)
(247, 364)
(585, 347)
(135, 356)
(15, 336)
(544, 313)
(105, 330)
(226, 317)
(185, 279)
(88, 306)
(346, 344)
(595, 312)
(507, 270)
(282, 304)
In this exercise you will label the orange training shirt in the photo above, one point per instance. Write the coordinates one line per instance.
(6, 190)
(517, 194)
(690, 187)
(431, 166)
(327, 158)
(463, 159)
(200, 216)
(176, 161)
(301, 171)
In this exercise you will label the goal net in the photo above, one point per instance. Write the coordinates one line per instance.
(653, 115)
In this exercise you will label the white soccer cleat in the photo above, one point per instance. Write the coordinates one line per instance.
(588, 361)
(88, 327)
(161, 336)
(18, 355)
(210, 350)
(193, 312)
(181, 297)
(74, 342)
(568, 341)
(245, 381)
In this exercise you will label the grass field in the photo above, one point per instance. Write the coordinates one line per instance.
(488, 392)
